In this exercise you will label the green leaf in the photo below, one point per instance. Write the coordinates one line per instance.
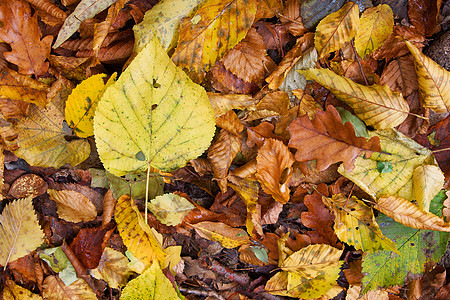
(153, 115)
(60, 264)
(260, 253)
(384, 166)
(358, 125)
(135, 185)
(417, 249)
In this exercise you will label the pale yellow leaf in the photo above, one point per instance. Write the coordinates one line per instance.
(54, 289)
(428, 180)
(170, 209)
(73, 206)
(20, 232)
(113, 268)
(227, 236)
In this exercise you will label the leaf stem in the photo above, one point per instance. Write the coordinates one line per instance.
(441, 150)
(146, 193)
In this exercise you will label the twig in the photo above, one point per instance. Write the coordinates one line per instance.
(201, 293)
(357, 60)
(440, 150)
(209, 263)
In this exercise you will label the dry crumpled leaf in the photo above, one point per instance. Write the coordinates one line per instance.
(434, 81)
(113, 268)
(21, 31)
(54, 289)
(376, 105)
(227, 236)
(274, 169)
(328, 141)
(20, 232)
(410, 215)
(209, 34)
(230, 122)
(274, 103)
(73, 206)
(336, 29)
(428, 180)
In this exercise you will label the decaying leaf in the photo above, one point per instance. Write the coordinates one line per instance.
(376, 105)
(153, 115)
(73, 206)
(336, 29)
(328, 141)
(13, 291)
(227, 236)
(216, 27)
(170, 209)
(20, 232)
(230, 122)
(274, 169)
(53, 289)
(428, 180)
(401, 76)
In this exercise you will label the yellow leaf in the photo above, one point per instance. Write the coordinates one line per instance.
(216, 27)
(54, 289)
(376, 105)
(227, 236)
(377, 24)
(434, 81)
(113, 268)
(170, 209)
(336, 29)
(428, 180)
(164, 18)
(82, 103)
(398, 152)
(136, 234)
(153, 115)
(274, 169)
(42, 136)
(73, 206)
(410, 215)
(173, 257)
(355, 224)
(20, 232)
(13, 291)
(152, 284)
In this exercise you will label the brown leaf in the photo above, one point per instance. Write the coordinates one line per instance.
(223, 103)
(274, 103)
(423, 15)
(20, 30)
(14, 109)
(224, 81)
(401, 76)
(293, 19)
(28, 185)
(274, 169)
(354, 273)
(230, 122)
(74, 68)
(109, 204)
(328, 141)
(49, 8)
(249, 60)
(116, 53)
(257, 135)
(73, 206)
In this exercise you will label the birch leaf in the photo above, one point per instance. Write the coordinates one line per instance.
(355, 224)
(82, 103)
(434, 81)
(336, 29)
(376, 105)
(153, 115)
(376, 25)
(216, 27)
(428, 180)
(20, 232)
(85, 9)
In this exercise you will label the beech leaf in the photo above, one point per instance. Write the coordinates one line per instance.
(216, 27)
(434, 81)
(54, 288)
(20, 232)
(227, 236)
(336, 29)
(328, 141)
(376, 105)
(170, 209)
(154, 115)
(428, 180)
(73, 206)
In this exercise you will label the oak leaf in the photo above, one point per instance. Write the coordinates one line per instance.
(328, 141)
(73, 206)
(274, 169)
(227, 236)
(376, 105)
(434, 81)
(20, 29)
(216, 27)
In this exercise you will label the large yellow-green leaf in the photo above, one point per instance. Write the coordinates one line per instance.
(136, 234)
(389, 172)
(216, 27)
(153, 115)
(152, 284)
(434, 81)
(336, 29)
(82, 103)
(20, 232)
(376, 105)
(164, 18)
(42, 136)
(428, 180)
(355, 224)
(376, 25)
(170, 209)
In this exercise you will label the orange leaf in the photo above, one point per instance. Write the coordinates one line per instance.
(273, 164)
(21, 31)
(328, 141)
(230, 122)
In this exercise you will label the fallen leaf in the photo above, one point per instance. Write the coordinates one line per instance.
(13, 291)
(73, 206)
(434, 81)
(423, 15)
(135, 185)
(59, 263)
(227, 236)
(53, 288)
(274, 103)
(20, 29)
(274, 169)
(88, 246)
(20, 232)
(328, 141)
(336, 29)
(257, 135)
(230, 122)
(376, 105)
(376, 25)
(113, 268)
(401, 76)
(428, 180)
(209, 34)
(170, 209)
(138, 124)
(28, 185)
(222, 103)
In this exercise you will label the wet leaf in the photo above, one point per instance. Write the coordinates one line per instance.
(170, 209)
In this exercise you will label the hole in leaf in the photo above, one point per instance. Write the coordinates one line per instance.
(154, 106)
(156, 84)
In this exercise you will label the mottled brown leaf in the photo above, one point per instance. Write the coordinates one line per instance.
(423, 15)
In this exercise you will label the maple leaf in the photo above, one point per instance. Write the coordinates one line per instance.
(21, 31)
(328, 141)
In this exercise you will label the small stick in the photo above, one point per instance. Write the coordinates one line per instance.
(359, 63)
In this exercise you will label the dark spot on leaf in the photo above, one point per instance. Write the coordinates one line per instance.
(357, 228)
(154, 106)
(140, 156)
(412, 244)
(156, 84)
